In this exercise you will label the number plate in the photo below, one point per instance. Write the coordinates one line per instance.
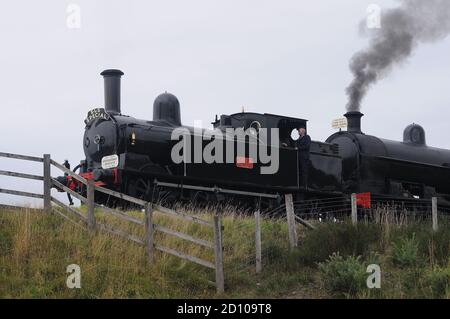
(111, 161)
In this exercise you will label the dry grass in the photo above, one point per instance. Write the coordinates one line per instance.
(35, 250)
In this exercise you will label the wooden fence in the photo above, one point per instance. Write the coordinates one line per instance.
(150, 227)
(92, 224)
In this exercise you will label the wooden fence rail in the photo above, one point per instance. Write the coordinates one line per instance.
(193, 259)
(120, 214)
(183, 216)
(22, 157)
(92, 224)
(70, 209)
(20, 193)
(68, 190)
(21, 175)
(194, 240)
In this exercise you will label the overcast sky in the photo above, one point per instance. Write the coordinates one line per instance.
(284, 57)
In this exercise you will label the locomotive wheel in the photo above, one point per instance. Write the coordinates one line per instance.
(140, 188)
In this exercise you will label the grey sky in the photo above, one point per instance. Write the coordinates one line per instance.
(285, 57)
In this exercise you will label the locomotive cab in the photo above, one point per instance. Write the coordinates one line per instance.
(325, 169)
(285, 125)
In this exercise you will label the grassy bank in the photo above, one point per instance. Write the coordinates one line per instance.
(35, 250)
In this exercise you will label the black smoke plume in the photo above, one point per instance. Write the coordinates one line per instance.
(402, 29)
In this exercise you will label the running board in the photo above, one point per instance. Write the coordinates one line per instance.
(216, 190)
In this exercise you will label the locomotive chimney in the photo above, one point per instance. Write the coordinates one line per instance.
(354, 121)
(112, 90)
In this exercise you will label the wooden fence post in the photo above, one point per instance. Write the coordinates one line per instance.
(218, 252)
(149, 231)
(291, 220)
(47, 184)
(434, 212)
(90, 204)
(258, 240)
(354, 209)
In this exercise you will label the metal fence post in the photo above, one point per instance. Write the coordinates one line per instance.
(258, 240)
(218, 252)
(354, 209)
(149, 231)
(90, 204)
(47, 184)
(434, 212)
(291, 220)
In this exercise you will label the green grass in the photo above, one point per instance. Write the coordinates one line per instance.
(36, 248)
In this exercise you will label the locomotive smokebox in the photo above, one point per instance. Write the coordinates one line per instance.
(112, 90)
(354, 121)
(167, 108)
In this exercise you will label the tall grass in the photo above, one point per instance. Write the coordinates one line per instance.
(35, 250)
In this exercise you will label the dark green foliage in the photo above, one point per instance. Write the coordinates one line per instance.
(344, 238)
(345, 275)
(437, 281)
(405, 252)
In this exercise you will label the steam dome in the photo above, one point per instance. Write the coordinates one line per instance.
(167, 108)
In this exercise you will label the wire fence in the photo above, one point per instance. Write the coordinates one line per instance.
(274, 229)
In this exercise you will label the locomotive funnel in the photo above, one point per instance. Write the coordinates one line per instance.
(354, 121)
(112, 90)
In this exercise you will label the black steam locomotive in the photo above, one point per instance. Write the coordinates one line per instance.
(134, 156)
